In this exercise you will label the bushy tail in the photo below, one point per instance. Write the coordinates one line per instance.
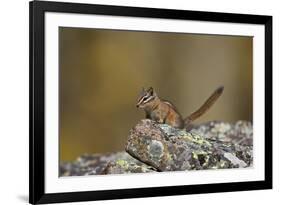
(208, 103)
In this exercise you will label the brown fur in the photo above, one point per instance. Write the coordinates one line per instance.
(165, 112)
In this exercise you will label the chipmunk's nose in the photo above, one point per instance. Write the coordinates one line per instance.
(138, 104)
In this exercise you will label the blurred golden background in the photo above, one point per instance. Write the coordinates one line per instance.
(103, 71)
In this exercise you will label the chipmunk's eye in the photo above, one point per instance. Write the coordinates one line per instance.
(145, 98)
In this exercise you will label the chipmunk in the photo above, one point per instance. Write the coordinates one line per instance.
(165, 112)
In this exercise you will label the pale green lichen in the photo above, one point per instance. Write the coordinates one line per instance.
(207, 157)
(188, 136)
(221, 164)
(200, 140)
(122, 163)
(169, 157)
(195, 138)
(195, 154)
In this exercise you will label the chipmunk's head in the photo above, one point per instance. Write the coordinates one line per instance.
(146, 98)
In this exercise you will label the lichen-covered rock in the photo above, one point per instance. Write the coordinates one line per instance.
(122, 166)
(168, 149)
(85, 165)
(97, 164)
(240, 132)
(159, 147)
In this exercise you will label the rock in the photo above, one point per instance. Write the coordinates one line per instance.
(122, 166)
(240, 132)
(169, 149)
(96, 164)
(159, 147)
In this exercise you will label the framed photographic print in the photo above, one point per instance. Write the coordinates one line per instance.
(140, 102)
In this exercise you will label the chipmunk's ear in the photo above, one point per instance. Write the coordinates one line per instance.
(150, 91)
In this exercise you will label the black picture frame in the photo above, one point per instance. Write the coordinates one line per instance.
(37, 9)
